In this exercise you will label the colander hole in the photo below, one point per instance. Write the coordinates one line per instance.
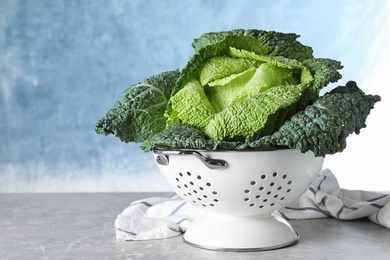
(215, 193)
(212, 205)
(188, 173)
(215, 200)
(204, 196)
(253, 183)
(269, 193)
(185, 185)
(288, 190)
(181, 174)
(263, 176)
(195, 191)
(261, 206)
(261, 188)
(272, 184)
(194, 201)
(276, 196)
(265, 200)
(203, 205)
(198, 177)
(179, 186)
(275, 174)
(247, 191)
(258, 197)
(289, 182)
(280, 187)
(251, 205)
(185, 195)
(284, 176)
(189, 193)
(272, 204)
(201, 188)
(282, 198)
(177, 179)
(199, 199)
(208, 184)
(191, 183)
(246, 199)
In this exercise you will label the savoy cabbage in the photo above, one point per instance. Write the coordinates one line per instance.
(242, 89)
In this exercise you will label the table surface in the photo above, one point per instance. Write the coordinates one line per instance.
(81, 226)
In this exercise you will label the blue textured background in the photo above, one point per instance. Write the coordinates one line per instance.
(64, 63)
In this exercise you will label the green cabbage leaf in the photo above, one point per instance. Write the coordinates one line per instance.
(140, 113)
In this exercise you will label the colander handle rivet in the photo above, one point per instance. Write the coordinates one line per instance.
(162, 159)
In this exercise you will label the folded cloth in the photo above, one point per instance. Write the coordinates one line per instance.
(324, 198)
(158, 217)
(155, 218)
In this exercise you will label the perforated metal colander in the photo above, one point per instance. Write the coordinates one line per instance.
(239, 191)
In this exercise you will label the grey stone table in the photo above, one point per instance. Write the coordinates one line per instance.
(81, 226)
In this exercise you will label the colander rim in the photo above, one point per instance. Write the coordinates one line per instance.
(270, 149)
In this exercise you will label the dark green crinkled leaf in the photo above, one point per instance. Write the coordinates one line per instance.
(324, 71)
(324, 126)
(186, 137)
(140, 113)
(277, 43)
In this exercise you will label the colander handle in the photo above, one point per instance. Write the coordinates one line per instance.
(163, 159)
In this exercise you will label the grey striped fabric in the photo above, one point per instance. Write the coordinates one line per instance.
(325, 198)
(158, 218)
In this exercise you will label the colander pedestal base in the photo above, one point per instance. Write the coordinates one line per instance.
(230, 233)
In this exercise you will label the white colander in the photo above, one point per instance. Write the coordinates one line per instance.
(239, 191)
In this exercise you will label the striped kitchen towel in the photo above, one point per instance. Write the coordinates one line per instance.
(160, 217)
(324, 198)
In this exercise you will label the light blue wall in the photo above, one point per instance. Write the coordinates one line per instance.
(63, 64)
